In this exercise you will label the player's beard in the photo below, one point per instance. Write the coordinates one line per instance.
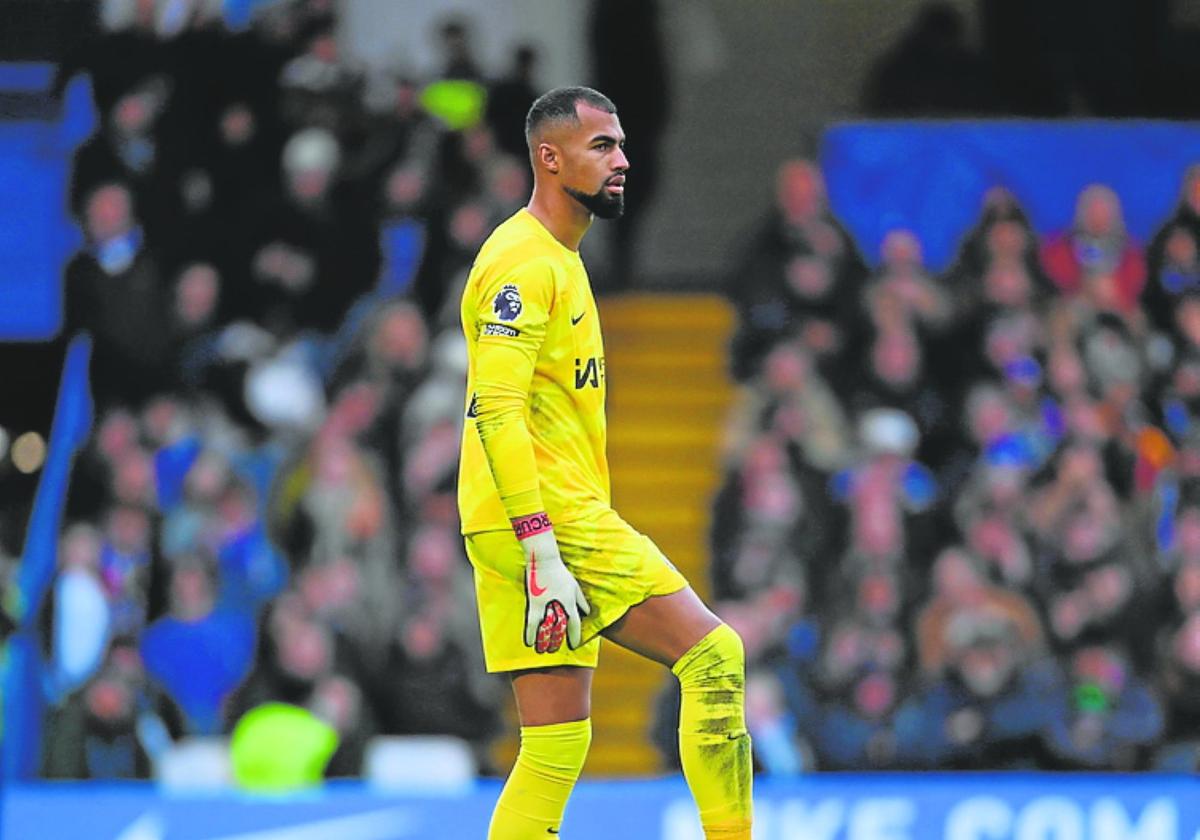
(601, 203)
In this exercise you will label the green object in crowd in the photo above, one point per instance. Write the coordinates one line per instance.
(1090, 697)
(278, 747)
(456, 102)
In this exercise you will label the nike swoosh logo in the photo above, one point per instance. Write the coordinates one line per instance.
(578, 318)
(534, 589)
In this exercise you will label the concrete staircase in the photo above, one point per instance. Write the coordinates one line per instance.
(668, 396)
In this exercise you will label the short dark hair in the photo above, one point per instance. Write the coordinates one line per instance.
(560, 104)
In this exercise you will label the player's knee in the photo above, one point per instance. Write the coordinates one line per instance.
(717, 661)
(556, 751)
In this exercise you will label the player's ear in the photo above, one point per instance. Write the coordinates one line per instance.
(548, 156)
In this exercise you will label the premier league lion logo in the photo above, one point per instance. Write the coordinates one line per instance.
(508, 303)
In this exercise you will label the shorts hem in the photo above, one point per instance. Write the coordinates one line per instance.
(605, 621)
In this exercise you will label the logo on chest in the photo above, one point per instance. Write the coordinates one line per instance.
(589, 373)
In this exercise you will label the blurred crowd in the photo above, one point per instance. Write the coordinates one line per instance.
(960, 520)
(266, 511)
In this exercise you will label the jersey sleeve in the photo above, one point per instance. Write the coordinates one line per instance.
(513, 313)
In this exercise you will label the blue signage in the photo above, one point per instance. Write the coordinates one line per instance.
(825, 807)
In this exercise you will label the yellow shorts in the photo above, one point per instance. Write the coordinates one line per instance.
(616, 566)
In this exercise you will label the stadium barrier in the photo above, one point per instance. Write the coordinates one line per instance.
(915, 806)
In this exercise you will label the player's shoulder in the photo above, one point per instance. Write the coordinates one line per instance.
(519, 236)
(515, 247)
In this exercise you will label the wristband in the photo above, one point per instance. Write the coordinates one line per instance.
(534, 523)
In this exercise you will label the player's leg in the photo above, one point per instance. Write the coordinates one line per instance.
(553, 693)
(554, 708)
(706, 656)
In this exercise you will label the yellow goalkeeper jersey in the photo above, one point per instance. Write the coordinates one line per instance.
(534, 436)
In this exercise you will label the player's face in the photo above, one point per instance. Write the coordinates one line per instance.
(594, 163)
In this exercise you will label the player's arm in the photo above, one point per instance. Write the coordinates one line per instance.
(513, 317)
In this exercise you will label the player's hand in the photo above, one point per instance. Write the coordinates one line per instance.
(553, 600)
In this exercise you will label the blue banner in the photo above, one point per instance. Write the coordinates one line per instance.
(827, 807)
(931, 177)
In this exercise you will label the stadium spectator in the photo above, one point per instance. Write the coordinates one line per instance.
(888, 494)
(931, 71)
(398, 128)
(376, 379)
(1088, 579)
(791, 399)
(1179, 680)
(437, 687)
(115, 292)
(1002, 233)
(130, 571)
(509, 99)
(128, 149)
(998, 289)
(779, 747)
(1173, 258)
(295, 653)
(198, 653)
(798, 276)
(339, 702)
(319, 87)
(113, 727)
(960, 589)
(240, 166)
(988, 475)
(858, 729)
(630, 65)
(765, 529)
(80, 611)
(859, 678)
(987, 709)
(458, 54)
(907, 318)
(1095, 258)
(311, 255)
(1178, 545)
(1104, 717)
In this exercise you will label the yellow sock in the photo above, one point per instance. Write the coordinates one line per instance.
(534, 797)
(713, 743)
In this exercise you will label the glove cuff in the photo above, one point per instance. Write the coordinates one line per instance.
(528, 526)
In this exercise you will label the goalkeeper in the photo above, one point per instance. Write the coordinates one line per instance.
(555, 566)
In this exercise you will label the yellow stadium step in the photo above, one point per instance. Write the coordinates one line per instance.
(701, 441)
(662, 410)
(683, 360)
(651, 475)
(668, 398)
(669, 395)
(649, 314)
(667, 516)
(675, 397)
(653, 454)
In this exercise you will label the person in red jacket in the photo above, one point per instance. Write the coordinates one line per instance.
(1095, 257)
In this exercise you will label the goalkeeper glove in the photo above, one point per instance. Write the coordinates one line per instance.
(553, 600)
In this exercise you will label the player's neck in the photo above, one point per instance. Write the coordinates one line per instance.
(566, 219)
